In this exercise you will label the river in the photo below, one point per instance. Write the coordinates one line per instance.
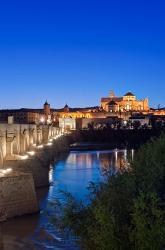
(72, 173)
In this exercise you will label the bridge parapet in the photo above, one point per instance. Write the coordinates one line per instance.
(18, 139)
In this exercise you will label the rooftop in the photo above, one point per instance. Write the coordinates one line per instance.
(112, 103)
(129, 94)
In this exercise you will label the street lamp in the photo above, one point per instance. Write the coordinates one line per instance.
(42, 120)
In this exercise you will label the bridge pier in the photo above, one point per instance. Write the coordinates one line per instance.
(39, 136)
(17, 195)
(16, 142)
(9, 146)
(45, 134)
(2, 148)
(31, 138)
(22, 144)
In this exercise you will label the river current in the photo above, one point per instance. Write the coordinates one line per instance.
(72, 173)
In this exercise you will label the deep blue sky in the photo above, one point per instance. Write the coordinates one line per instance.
(76, 51)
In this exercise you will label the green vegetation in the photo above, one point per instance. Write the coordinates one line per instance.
(126, 212)
(119, 138)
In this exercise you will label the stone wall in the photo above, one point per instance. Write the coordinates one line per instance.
(18, 139)
(17, 195)
(38, 164)
(1, 238)
(27, 151)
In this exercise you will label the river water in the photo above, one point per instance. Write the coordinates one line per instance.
(72, 173)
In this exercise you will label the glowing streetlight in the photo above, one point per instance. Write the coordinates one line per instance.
(42, 120)
(31, 153)
(24, 157)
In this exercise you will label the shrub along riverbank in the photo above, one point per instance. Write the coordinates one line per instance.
(126, 212)
(116, 138)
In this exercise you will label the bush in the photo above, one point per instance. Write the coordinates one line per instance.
(126, 212)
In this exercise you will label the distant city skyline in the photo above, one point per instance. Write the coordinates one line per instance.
(68, 103)
(75, 52)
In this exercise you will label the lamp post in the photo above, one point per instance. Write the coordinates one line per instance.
(42, 120)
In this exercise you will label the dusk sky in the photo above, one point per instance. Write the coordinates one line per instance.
(75, 52)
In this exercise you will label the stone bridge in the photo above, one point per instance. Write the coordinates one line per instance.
(26, 152)
(16, 140)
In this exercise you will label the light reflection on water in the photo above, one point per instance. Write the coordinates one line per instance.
(72, 174)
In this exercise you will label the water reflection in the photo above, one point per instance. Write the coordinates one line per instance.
(72, 173)
(132, 154)
(103, 158)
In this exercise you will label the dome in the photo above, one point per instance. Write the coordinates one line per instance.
(129, 94)
(66, 106)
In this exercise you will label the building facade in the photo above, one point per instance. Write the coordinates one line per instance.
(128, 102)
(20, 116)
(111, 107)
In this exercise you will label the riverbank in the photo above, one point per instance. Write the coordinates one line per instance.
(127, 210)
(89, 146)
(72, 172)
(110, 138)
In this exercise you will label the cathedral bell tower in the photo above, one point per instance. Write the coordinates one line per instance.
(111, 94)
(46, 110)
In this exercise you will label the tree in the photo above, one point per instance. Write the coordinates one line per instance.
(148, 225)
(126, 211)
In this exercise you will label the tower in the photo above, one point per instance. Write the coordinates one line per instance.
(111, 94)
(66, 108)
(46, 110)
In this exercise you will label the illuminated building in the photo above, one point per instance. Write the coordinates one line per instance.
(20, 115)
(68, 112)
(111, 107)
(46, 110)
(128, 102)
